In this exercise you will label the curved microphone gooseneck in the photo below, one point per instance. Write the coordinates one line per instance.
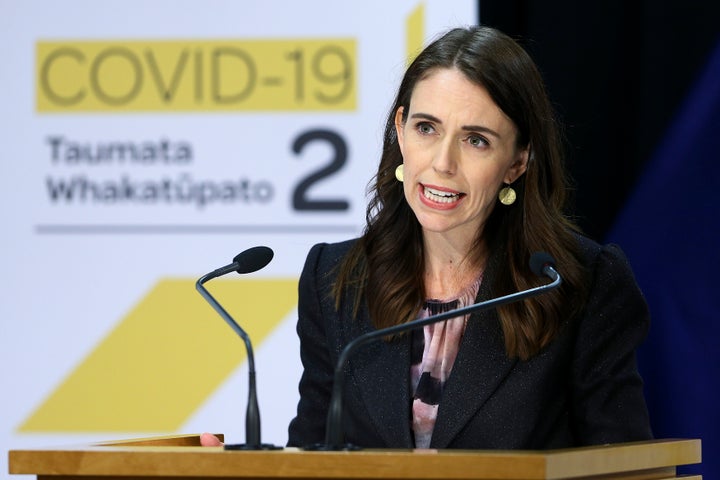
(248, 261)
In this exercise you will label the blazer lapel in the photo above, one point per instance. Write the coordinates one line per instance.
(480, 367)
(380, 372)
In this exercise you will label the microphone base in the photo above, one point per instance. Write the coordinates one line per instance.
(324, 447)
(245, 446)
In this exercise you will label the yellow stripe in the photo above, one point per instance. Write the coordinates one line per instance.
(164, 359)
(414, 33)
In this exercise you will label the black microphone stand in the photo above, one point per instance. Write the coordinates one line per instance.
(252, 415)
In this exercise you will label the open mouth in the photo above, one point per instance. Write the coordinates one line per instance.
(441, 196)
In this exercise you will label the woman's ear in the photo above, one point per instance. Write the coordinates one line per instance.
(399, 127)
(519, 166)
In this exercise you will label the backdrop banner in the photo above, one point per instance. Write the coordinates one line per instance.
(145, 144)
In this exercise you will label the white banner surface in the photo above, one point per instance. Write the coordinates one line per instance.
(145, 144)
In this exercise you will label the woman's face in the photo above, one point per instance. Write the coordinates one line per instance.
(458, 149)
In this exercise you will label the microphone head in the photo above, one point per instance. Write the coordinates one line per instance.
(253, 259)
(538, 262)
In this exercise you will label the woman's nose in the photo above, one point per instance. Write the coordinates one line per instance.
(445, 158)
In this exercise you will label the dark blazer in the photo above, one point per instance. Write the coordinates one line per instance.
(583, 388)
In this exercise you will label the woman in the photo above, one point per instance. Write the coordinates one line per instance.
(469, 185)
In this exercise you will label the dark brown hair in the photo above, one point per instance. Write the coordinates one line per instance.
(385, 267)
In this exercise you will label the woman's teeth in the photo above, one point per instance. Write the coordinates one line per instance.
(440, 196)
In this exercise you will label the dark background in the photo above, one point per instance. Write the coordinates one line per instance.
(617, 72)
(637, 86)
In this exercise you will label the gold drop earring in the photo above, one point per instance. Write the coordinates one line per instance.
(507, 195)
(399, 172)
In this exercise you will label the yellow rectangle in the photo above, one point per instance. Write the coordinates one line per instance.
(196, 75)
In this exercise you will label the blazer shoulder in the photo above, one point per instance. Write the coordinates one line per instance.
(322, 257)
(321, 264)
(595, 255)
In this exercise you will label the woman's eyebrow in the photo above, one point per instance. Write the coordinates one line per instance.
(468, 128)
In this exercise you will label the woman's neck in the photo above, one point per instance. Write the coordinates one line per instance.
(450, 267)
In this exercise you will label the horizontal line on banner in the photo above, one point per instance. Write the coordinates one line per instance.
(59, 229)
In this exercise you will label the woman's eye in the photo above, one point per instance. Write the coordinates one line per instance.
(477, 141)
(425, 128)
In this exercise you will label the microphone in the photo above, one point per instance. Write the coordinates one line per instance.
(248, 261)
(541, 264)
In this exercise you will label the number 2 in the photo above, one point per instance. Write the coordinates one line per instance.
(300, 197)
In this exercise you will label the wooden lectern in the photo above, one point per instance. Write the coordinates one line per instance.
(182, 457)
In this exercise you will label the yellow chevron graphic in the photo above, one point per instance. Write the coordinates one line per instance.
(414, 33)
(164, 358)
